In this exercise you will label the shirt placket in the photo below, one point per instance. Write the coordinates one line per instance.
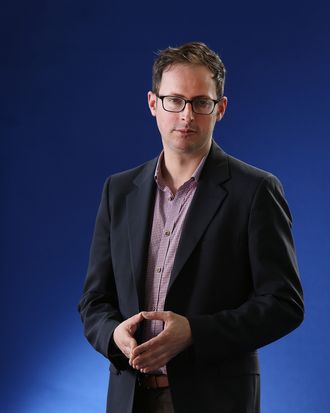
(162, 275)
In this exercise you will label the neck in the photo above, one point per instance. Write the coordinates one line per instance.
(178, 168)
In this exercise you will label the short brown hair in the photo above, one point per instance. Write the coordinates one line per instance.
(196, 53)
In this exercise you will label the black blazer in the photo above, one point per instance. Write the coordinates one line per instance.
(235, 278)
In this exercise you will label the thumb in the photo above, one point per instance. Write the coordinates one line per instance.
(135, 319)
(132, 344)
(154, 315)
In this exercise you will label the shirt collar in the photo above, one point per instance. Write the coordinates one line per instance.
(159, 179)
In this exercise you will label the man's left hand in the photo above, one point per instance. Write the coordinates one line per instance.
(158, 351)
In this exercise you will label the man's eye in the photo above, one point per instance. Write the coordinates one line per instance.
(174, 100)
(202, 103)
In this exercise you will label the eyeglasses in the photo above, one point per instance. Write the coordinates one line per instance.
(200, 105)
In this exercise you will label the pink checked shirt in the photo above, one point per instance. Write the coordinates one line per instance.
(169, 215)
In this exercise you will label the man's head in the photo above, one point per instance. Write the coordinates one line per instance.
(187, 97)
(194, 53)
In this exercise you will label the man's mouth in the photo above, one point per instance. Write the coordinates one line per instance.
(185, 130)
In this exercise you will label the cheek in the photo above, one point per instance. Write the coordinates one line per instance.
(163, 125)
(166, 123)
(213, 122)
(208, 124)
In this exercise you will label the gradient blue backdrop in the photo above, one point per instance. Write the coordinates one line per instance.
(74, 78)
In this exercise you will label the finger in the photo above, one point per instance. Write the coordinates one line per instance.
(153, 354)
(148, 345)
(152, 368)
(132, 344)
(152, 364)
(132, 323)
(135, 319)
(148, 359)
(128, 346)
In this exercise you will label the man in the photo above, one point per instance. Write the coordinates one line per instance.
(192, 265)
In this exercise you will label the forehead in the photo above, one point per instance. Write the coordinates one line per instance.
(188, 80)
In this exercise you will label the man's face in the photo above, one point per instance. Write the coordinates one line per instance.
(186, 132)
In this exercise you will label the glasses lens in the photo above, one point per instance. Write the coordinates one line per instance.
(173, 103)
(203, 106)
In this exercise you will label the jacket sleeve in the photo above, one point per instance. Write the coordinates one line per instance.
(98, 306)
(276, 305)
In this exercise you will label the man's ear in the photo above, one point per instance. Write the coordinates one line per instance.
(152, 102)
(222, 106)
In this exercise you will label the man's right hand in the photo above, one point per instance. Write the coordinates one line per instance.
(123, 334)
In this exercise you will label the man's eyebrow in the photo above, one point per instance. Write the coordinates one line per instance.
(195, 97)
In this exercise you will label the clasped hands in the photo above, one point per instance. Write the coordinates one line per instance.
(158, 351)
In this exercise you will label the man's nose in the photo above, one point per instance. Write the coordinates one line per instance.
(187, 113)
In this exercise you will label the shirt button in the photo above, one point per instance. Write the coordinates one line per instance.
(167, 233)
(159, 269)
(171, 198)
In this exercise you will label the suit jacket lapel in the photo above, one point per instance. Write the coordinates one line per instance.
(207, 200)
(139, 218)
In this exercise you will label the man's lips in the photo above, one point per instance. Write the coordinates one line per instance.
(185, 130)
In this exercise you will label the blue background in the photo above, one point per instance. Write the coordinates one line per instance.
(74, 78)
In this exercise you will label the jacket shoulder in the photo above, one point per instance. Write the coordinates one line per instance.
(124, 181)
(246, 171)
(132, 173)
(243, 179)
(235, 169)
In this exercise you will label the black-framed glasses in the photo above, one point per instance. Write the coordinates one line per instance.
(199, 105)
